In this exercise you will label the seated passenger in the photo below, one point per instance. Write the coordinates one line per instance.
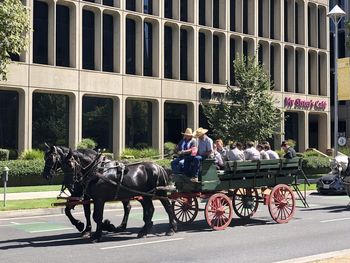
(251, 153)
(183, 149)
(263, 154)
(221, 149)
(205, 150)
(290, 152)
(218, 158)
(272, 154)
(235, 153)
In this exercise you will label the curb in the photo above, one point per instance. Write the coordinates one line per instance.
(324, 256)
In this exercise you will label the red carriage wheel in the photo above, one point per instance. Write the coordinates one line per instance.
(218, 211)
(185, 209)
(245, 202)
(281, 203)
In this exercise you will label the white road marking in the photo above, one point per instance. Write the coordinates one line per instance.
(317, 257)
(334, 220)
(49, 230)
(143, 243)
(30, 223)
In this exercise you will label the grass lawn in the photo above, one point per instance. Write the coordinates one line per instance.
(27, 204)
(23, 189)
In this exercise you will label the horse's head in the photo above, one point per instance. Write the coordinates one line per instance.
(72, 167)
(52, 159)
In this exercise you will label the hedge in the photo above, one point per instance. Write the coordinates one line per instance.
(316, 165)
(27, 173)
(4, 154)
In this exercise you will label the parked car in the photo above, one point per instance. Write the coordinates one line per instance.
(330, 184)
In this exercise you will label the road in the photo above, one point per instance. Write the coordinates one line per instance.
(322, 228)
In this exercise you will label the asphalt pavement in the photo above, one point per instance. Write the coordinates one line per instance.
(315, 233)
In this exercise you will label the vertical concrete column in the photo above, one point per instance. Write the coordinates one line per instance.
(51, 49)
(192, 115)
(303, 123)
(324, 138)
(74, 22)
(75, 119)
(279, 137)
(122, 38)
(122, 121)
(23, 119)
(158, 124)
(78, 37)
(29, 117)
(117, 127)
(209, 13)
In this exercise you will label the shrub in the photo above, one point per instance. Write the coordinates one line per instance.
(316, 165)
(13, 154)
(87, 143)
(32, 155)
(345, 150)
(311, 153)
(291, 143)
(4, 154)
(140, 154)
(141, 145)
(169, 148)
(164, 162)
(27, 172)
(110, 156)
(280, 153)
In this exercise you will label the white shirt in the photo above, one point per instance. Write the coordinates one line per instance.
(252, 154)
(272, 154)
(264, 155)
(235, 155)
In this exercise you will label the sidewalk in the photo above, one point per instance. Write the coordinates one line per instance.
(30, 195)
(342, 256)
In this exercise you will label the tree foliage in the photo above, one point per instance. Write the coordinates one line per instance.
(247, 112)
(14, 26)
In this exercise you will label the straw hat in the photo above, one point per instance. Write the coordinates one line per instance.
(200, 132)
(188, 132)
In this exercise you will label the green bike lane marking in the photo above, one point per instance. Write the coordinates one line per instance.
(38, 227)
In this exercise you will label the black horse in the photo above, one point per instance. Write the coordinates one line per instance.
(114, 181)
(53, 162)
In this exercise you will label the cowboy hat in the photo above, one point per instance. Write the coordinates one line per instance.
(200, 132)
(188, 132)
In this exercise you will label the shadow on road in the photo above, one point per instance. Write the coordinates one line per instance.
(330, 209)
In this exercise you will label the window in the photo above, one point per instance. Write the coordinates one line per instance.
(232, 58)
(168, 52)
(131, 5)
(62, 35)
(50, 120)
(202, 12)
(286, 21)
(108, 2)
(175, 121)
(88, 40)
(130, 47)
(147, 49)
(184, 10)
(138, 132)
(246, 17)
(168, 8)
(9, 119)
(201, 57)
(108, 43)
(40, 33)
(216, 13)
(148, 7)
(97, 121)
(183, 54)
(233, 15)
(216, 63)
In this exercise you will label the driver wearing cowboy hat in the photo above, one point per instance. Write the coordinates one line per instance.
(205, 150)
(183, 149)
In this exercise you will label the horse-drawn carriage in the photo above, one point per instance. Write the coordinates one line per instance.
(239, 188)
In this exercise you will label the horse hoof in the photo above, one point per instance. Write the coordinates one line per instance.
(120, 229)
(80, 226)
(95, 239)
(107, 226)
(142, 235)
(170, 232)
(86, 235)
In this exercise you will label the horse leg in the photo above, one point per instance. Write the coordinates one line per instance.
(78, 224)
(169, 209)
(107, 226)
(148, 210)
(98, 216)
(87, 212)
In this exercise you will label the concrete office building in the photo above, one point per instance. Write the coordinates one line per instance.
(131, 72)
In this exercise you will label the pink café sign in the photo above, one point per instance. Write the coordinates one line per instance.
(319, 105)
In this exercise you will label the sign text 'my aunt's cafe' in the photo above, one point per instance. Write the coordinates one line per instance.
(319, 105)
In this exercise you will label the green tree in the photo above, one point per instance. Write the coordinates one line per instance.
(247, 112)
(14, 26)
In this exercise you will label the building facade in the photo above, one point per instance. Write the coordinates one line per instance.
(130, 73)
(343, 52)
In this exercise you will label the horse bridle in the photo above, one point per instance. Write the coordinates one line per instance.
(54, 167)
